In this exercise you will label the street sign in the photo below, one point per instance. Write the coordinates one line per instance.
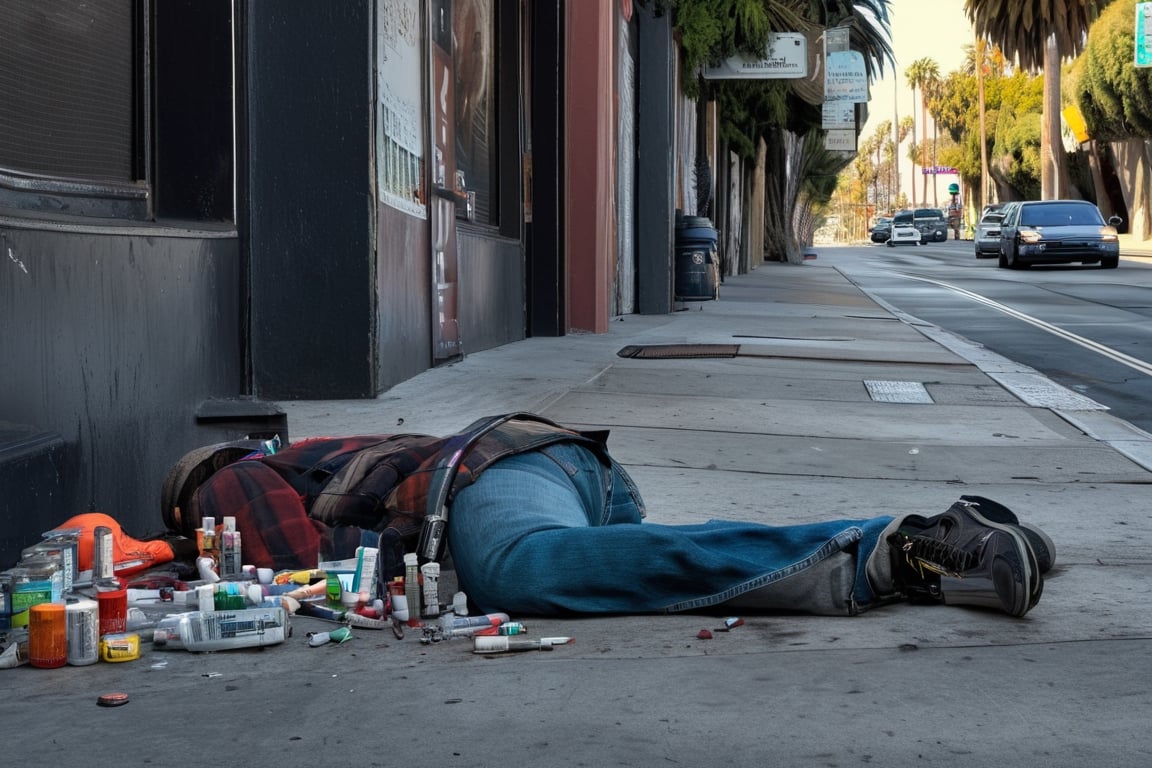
(786, 57)
(845, 76)
(840, 141)
(1076, 122)
(1144, 34)
(838, 114)
(939, 170)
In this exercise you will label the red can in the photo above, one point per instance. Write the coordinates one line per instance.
(113, 611)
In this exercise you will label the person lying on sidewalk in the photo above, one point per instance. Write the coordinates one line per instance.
(543, 521)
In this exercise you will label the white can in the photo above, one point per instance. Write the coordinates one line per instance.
(83, 622)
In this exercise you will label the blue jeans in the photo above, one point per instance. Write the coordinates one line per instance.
(554, 531)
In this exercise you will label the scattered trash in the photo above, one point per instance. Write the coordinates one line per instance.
(503, 644)
(112, 700)
(120, 646)
(317, 639)
(16, 654)
(704, 634)
(469, 626)
(730, 623)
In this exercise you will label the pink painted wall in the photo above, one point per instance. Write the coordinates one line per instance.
(590, 190)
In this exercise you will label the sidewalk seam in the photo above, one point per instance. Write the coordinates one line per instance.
(1091, 419)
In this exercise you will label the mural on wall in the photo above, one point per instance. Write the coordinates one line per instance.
(399, 117)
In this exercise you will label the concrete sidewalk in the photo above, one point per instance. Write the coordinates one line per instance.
(1130, 246)
(832, 406)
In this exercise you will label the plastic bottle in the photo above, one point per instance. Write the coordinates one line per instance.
(399, 600)
(226, 630)
(166, 633)
(489, 644)
(208, 544)
(468, 626)
(412, 585)
(230, 552)
(103, 561)
(431, 574)
(317, 639)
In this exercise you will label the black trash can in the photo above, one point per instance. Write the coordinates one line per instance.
(697, 262)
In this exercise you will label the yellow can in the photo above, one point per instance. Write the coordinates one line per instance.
(120, 646)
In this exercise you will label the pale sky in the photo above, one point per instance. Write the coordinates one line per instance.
(937, 29)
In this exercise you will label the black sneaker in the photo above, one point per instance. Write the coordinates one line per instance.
(1042, 545)
(963, 558)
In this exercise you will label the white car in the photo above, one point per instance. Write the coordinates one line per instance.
(904, 230)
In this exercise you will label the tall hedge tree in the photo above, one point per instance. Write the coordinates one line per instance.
(1116, 100)
(1040, 34)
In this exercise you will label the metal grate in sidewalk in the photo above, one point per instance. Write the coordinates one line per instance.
(670, 351)
(897, 391)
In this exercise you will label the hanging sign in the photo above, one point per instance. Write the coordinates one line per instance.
(845, 78)
(1144, 34)
(786, 57)
(839, 140)
(838, 114)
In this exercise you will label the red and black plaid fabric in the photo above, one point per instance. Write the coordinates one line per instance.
(315, 496)
(275, 530)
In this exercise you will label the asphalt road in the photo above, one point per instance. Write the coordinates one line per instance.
(1086, 328)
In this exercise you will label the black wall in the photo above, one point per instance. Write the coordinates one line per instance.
(309, 215)
(112, 337)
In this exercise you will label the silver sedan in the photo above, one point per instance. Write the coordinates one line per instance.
(987, 237)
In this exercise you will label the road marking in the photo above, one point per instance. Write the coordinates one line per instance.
(1100, 349)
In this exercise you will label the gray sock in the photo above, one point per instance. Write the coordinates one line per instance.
(879, 566)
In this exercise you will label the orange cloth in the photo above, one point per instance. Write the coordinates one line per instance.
(129, 555)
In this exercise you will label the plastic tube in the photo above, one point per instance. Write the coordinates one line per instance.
(501, 644)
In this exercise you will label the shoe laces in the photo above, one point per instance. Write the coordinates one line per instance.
(925, 554)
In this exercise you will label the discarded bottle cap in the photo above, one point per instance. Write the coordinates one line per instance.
(112, 700)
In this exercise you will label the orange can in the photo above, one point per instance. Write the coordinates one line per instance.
(47, 635)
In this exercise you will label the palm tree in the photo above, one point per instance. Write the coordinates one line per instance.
(983, 61)
(905, 126)
(922, 75)
(1040, 34)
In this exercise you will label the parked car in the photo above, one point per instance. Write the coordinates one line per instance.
(932, 223)
(1058, 232)
(987, 236)
(903, 230)
(881, 229)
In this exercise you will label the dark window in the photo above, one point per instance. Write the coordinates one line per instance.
(474, 62)
(193, 110)
(79, 132)
(67, 86)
